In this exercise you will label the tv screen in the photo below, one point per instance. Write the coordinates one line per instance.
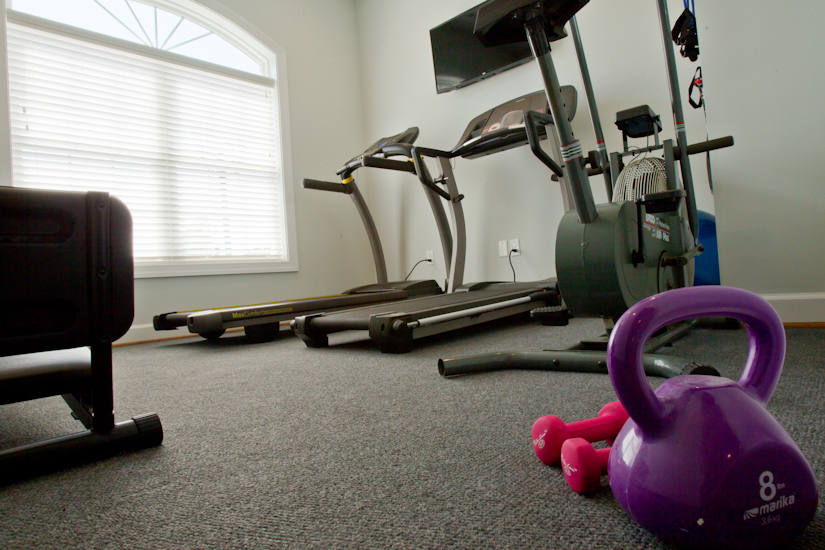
(459, 58)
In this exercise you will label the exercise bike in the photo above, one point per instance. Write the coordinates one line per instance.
(608, 256)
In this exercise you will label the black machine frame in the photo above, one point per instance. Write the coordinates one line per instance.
(540, 22)
(67, 293)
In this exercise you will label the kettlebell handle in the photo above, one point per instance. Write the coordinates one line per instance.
(766, 353)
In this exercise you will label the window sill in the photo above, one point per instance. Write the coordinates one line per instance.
(146, 269)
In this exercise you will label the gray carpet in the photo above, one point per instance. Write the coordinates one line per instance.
(281, 446)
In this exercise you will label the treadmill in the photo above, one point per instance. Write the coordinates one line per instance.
(394, 326)
(261, 322)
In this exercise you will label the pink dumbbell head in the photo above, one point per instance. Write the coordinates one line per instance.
(549, 432)
(583, 465)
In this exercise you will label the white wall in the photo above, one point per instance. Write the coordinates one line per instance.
(762, 82)
(771, 197)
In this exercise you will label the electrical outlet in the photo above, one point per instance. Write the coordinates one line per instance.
(502, 249)
(514, 245)
(430, 256)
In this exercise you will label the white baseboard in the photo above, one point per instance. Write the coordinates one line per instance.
(147, 332)
(799, 308)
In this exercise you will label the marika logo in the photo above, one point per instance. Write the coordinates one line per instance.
(538, 443)
(768, 493)
(568, 469)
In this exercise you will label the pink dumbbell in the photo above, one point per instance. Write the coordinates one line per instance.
(549, 432)
(583, 465)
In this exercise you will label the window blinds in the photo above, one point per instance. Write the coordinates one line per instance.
(194, 154)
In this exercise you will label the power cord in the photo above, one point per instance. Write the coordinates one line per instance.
(510, 258)
(638, 153)
(416, 265)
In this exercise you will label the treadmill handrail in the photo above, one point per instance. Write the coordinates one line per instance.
(421, 172)
(451, 258)
(330, 186)
(398, 149)
(532, 132)
(433, 153)
(378, 158)
(387, 164)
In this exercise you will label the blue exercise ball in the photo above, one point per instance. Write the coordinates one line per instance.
(707, 263)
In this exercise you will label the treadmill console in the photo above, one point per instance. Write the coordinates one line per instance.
(502, 127)
(407, 136)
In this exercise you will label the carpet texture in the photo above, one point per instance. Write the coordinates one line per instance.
(280, 446)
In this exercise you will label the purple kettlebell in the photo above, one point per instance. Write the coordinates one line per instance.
(701, 463)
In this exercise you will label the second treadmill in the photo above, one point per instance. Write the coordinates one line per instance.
(394, 326)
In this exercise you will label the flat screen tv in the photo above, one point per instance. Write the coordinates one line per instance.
(460, 59)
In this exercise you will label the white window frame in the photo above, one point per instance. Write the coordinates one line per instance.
(243, 35)
(5, 109)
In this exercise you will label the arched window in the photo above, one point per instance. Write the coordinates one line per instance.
(165, 104)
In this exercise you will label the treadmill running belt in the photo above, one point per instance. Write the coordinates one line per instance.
(394, 325)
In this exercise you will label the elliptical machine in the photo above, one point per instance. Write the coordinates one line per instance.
(608, 256)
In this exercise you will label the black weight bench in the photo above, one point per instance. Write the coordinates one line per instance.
(66, 293)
